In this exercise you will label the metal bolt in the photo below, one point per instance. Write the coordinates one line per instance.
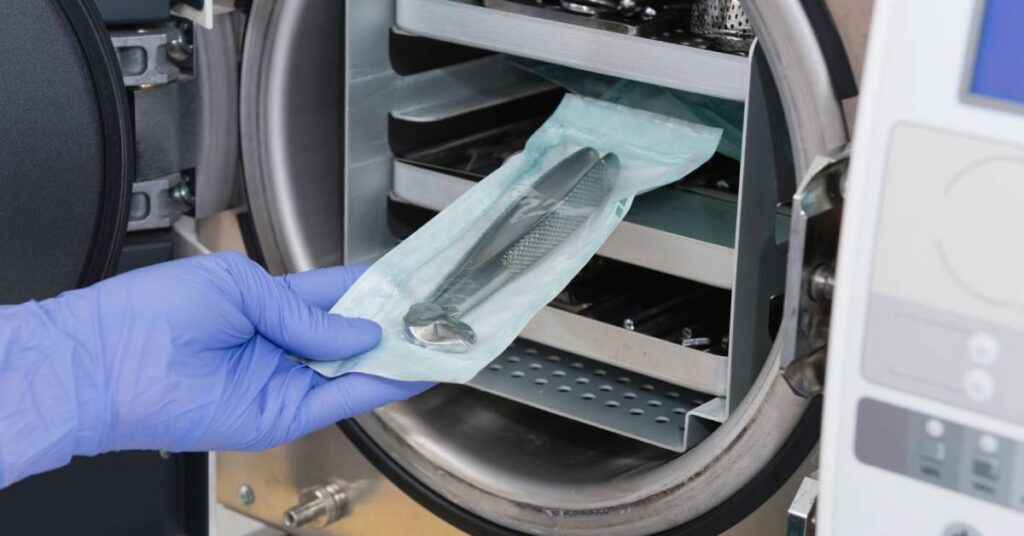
(246, 494)
(181, 47)
(183, 194)
(806, 374)
(823, 281)
(178, 50)
(628, 324)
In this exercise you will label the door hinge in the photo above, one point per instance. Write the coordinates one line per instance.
(810, 275)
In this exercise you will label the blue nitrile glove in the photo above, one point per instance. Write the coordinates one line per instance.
(184, 356)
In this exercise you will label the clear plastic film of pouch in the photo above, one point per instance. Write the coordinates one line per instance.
(455, 294)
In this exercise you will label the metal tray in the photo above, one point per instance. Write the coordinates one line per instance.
(594, 393)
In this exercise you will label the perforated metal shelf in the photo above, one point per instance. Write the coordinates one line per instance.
(591, 392)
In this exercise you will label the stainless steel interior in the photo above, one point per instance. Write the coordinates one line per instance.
(316, 69)
(291, 94)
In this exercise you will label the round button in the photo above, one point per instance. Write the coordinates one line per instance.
(983, 349)
(934, 428)
(979, 385)
(980, 206)
(988, 444)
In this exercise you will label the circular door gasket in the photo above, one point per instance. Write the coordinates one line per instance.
(66, 149)
(728, 513)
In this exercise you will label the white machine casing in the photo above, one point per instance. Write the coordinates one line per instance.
(928, 320)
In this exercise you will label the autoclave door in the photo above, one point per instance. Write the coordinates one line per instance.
(62, 219)
(67, 164)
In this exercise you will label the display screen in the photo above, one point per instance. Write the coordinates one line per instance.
(999, 64)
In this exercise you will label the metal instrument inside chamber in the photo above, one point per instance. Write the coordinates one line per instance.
(715, 24)
(554, 207)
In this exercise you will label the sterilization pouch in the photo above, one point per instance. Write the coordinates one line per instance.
(702, 109)
(518, 238)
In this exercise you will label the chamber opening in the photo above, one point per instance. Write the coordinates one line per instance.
(630, 367)
(419, 132)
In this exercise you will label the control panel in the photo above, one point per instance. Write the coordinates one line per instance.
(923, 430)
(939, 452)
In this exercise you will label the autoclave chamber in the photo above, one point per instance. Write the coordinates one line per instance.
(648, 397)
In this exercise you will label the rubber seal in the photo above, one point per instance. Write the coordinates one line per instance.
(118, 139)
(728, 513)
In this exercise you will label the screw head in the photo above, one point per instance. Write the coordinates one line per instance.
(183, 194)
(178, 50)
(181, 47)
(246, 494)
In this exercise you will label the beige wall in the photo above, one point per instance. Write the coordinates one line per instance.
(853, 18)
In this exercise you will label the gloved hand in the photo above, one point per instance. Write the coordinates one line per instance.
(183, 356)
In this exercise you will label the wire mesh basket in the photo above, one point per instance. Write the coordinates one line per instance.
(724, 22)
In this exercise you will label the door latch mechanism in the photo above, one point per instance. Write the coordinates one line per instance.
(810, 275)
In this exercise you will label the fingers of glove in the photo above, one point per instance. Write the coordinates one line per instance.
(285, 319)
(322, 288)
(353, 394)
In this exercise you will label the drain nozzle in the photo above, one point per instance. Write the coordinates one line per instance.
(319, 505)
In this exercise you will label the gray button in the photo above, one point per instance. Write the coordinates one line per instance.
(983, 349)
(979, 385)
(987, 468)
(934, 428)
(961, 529)
(988, 444)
